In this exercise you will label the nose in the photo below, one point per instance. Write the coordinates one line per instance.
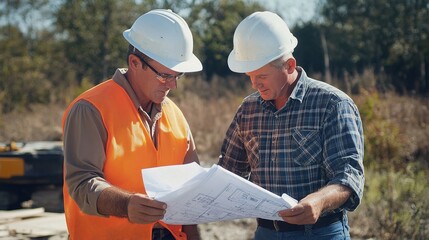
(255, 83)
(172, 84)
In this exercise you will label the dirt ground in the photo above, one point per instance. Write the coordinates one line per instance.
(241, 229)
(52, 226)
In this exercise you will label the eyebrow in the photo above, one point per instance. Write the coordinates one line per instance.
(259, 75)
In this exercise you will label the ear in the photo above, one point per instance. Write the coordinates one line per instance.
(133, 61)
(290, 65)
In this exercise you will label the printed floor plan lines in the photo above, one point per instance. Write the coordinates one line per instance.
(210, 194)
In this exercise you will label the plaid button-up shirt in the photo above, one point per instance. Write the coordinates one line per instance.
(316, 139)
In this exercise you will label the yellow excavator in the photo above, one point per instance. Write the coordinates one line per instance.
(31, 175)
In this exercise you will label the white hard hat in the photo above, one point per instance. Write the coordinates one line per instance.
(259, 39)
(165, 37)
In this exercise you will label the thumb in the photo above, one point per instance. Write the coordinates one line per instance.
(296, 210)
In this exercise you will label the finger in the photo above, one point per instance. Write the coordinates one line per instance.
(144, 218)
(144, 214)
(143, 209)
(150, 211)
(291, 212)
(139, 200)
(150, 202)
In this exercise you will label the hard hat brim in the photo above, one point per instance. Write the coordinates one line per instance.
(192, 64)
(240, 66)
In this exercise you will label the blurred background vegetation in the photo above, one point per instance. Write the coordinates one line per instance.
(376, 51)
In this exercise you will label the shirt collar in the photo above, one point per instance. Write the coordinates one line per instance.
(298, 92)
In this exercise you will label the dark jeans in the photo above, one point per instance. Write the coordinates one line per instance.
(161, 234)
(335, 231)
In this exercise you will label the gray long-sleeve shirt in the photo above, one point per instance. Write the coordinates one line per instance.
(84, 146)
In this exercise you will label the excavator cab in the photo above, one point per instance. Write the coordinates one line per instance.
(31, 175)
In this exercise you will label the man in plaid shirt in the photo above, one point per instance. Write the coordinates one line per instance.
(295, 135)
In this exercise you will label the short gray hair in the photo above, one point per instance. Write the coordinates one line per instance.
(133, 50)
(278, 63)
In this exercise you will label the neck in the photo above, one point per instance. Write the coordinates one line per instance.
(148, 108)
(144, 102)
(286, 92)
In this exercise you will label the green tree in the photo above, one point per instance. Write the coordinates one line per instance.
(308, 52)
(91, 31)
(390, 37)
(213, 24)
(30, 56)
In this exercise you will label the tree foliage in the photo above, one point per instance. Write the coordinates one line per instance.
(30, 59)
(390, 37)
(91, 32)
(81, 41)
(214, 23)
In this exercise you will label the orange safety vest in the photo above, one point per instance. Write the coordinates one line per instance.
(129, 149)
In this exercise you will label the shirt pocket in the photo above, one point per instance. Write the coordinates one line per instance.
(306, 146)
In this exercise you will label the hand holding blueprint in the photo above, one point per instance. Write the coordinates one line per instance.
(199, 195)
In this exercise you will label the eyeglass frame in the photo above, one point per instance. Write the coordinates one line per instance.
(162, 77)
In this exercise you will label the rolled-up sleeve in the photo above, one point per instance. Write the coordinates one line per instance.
(344, 150)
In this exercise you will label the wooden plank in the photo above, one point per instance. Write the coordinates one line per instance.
(12, 215)
(50, 224)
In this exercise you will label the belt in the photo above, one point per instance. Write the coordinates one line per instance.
(281, 226)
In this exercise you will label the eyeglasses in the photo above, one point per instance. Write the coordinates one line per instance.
(162, 77)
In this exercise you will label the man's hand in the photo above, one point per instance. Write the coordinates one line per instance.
(309, 209)
(139, 208)
(143, 209)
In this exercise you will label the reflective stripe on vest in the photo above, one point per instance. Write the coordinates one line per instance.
(129, 149)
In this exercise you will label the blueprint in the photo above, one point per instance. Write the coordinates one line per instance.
(194, 195)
